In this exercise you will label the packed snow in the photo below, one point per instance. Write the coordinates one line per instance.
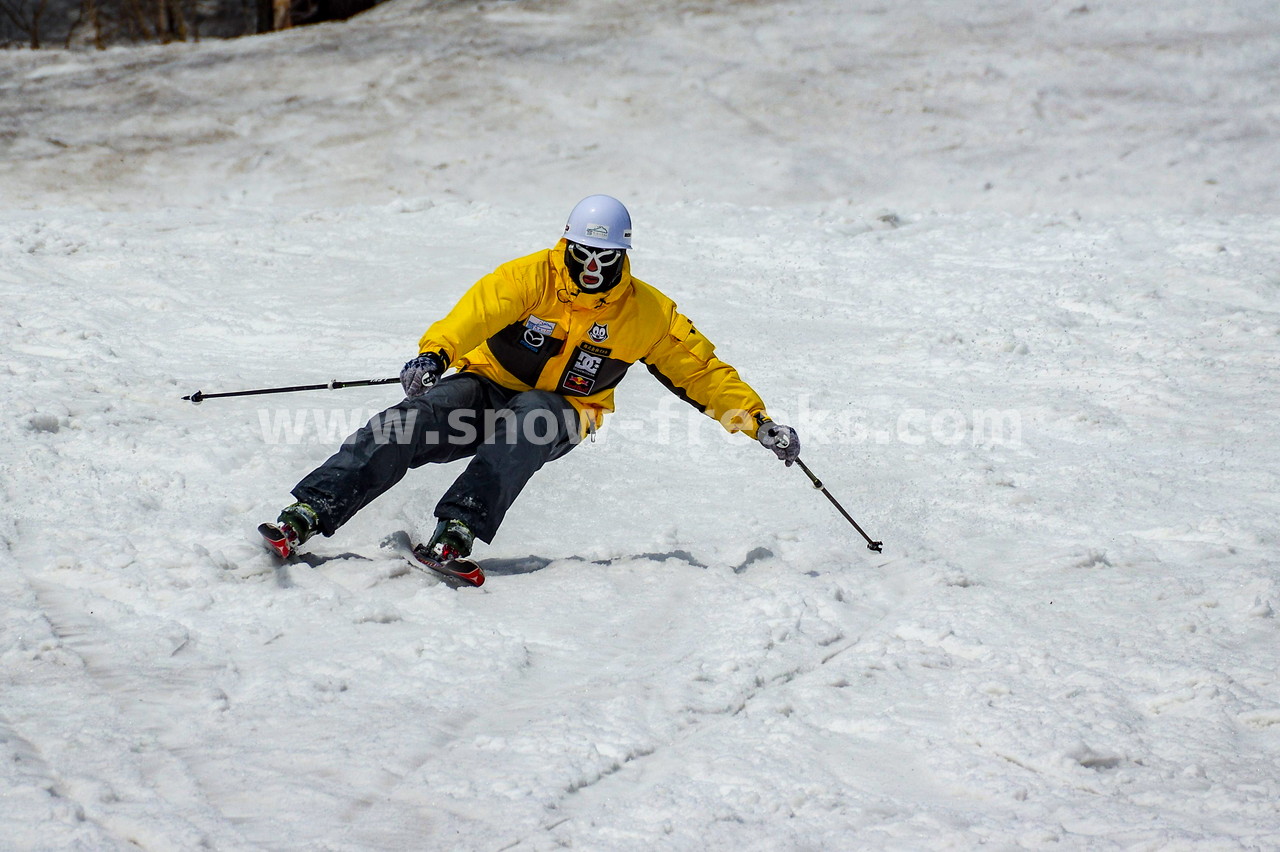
(1009, 268)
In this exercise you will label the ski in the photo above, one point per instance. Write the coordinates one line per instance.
(457, 571)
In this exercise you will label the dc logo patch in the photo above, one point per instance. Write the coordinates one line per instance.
(599, 332)
(588, 363)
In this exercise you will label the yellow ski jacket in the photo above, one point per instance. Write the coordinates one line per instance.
(527, 326)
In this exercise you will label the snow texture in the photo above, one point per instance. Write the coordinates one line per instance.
(1010, 269)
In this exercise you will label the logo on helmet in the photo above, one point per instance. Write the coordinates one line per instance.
(598, 231)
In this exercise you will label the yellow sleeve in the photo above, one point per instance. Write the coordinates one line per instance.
(684, 361)
(493, 303)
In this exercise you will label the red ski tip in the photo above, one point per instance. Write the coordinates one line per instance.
(276, 540)
(474, 576)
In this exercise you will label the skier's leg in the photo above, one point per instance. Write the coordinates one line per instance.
(535, 428)
(427, 428)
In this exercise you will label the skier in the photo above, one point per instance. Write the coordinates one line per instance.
(538, 347)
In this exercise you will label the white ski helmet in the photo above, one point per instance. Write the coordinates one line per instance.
(600, 221)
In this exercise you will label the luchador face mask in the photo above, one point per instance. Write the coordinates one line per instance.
(594, 270)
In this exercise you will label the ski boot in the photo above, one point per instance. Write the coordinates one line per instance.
(296, 524)
(447, 551)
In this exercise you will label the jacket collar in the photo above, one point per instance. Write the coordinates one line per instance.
(568, 291)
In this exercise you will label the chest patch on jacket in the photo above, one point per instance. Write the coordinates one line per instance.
(524, 348)
(577, 383)
(591, 369)
(536, 332)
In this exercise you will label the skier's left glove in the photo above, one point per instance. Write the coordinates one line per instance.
(421, 373)
(783, 440)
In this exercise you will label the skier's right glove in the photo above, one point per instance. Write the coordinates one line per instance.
(783, 440)
(421, 373)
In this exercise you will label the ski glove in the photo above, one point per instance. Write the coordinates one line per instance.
(420, 373)
(783, 440)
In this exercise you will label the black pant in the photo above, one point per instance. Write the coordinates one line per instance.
(509, 434)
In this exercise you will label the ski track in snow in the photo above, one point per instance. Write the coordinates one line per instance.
(1011, 272)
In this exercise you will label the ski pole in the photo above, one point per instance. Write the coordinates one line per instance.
(877, 546)
(200, 396)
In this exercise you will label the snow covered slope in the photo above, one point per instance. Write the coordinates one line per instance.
(1054, 399)
(1010, 106)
